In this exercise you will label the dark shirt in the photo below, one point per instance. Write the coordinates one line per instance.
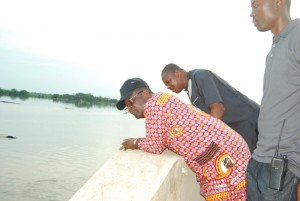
(205, 88)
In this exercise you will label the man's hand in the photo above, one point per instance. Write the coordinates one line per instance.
(129, 144)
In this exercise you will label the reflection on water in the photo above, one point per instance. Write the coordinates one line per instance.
(58, 147)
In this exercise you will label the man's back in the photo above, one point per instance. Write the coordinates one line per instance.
(241, 113)
(210, 148)
(209, 88)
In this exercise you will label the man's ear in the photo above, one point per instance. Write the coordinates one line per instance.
(280, 3)
(177, 73)
(145, 93)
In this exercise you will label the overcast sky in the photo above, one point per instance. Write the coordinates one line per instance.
(93, 46)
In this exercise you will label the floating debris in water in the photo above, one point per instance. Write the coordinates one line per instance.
(9, 102)
(7, 136)
(11, 137)
(68, 108)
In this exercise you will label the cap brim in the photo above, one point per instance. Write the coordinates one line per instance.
(121, 104)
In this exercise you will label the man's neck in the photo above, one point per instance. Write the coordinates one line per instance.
(280, 25)
(186, 80)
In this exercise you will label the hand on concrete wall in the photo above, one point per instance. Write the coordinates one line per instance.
(129, 143)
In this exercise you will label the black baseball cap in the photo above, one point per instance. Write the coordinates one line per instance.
(127, 88)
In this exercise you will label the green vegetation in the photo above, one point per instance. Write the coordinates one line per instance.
(79, 99)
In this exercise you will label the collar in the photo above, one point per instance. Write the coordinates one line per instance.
(188, 88)
(189, 85)
(286, 30)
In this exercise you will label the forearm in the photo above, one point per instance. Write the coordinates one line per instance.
(217, 110)
(136, 142)
(154, 147)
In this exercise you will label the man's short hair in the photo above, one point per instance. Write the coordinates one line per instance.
(171, 68)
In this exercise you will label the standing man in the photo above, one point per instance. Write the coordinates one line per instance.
(279, 117)
(215, 152)
(213, 95)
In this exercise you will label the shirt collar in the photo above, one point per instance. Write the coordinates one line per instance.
(189, 81)
(188, 88)
(286, 30)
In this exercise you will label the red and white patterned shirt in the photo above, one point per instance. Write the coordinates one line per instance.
(206, 144)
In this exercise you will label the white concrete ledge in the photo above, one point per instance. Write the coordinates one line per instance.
(134, 175)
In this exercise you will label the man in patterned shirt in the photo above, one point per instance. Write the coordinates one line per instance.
(216, 153)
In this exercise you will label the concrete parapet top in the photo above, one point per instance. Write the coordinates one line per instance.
(134, 175)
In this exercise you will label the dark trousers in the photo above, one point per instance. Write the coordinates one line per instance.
(248, 131)
(258, 175)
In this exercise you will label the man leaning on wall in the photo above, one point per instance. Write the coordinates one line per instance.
(210, 93)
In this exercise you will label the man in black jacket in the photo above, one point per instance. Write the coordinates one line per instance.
(215, 96)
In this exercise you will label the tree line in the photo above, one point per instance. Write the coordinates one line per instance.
(78, 99)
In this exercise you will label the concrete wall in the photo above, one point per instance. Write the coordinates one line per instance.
(134, 175)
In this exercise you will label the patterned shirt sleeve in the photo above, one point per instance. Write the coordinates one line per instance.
(155, 141)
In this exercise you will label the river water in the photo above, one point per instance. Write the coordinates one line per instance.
(58, 147)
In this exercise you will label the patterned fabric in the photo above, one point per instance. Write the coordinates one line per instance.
(208, 154)
(216, 153)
